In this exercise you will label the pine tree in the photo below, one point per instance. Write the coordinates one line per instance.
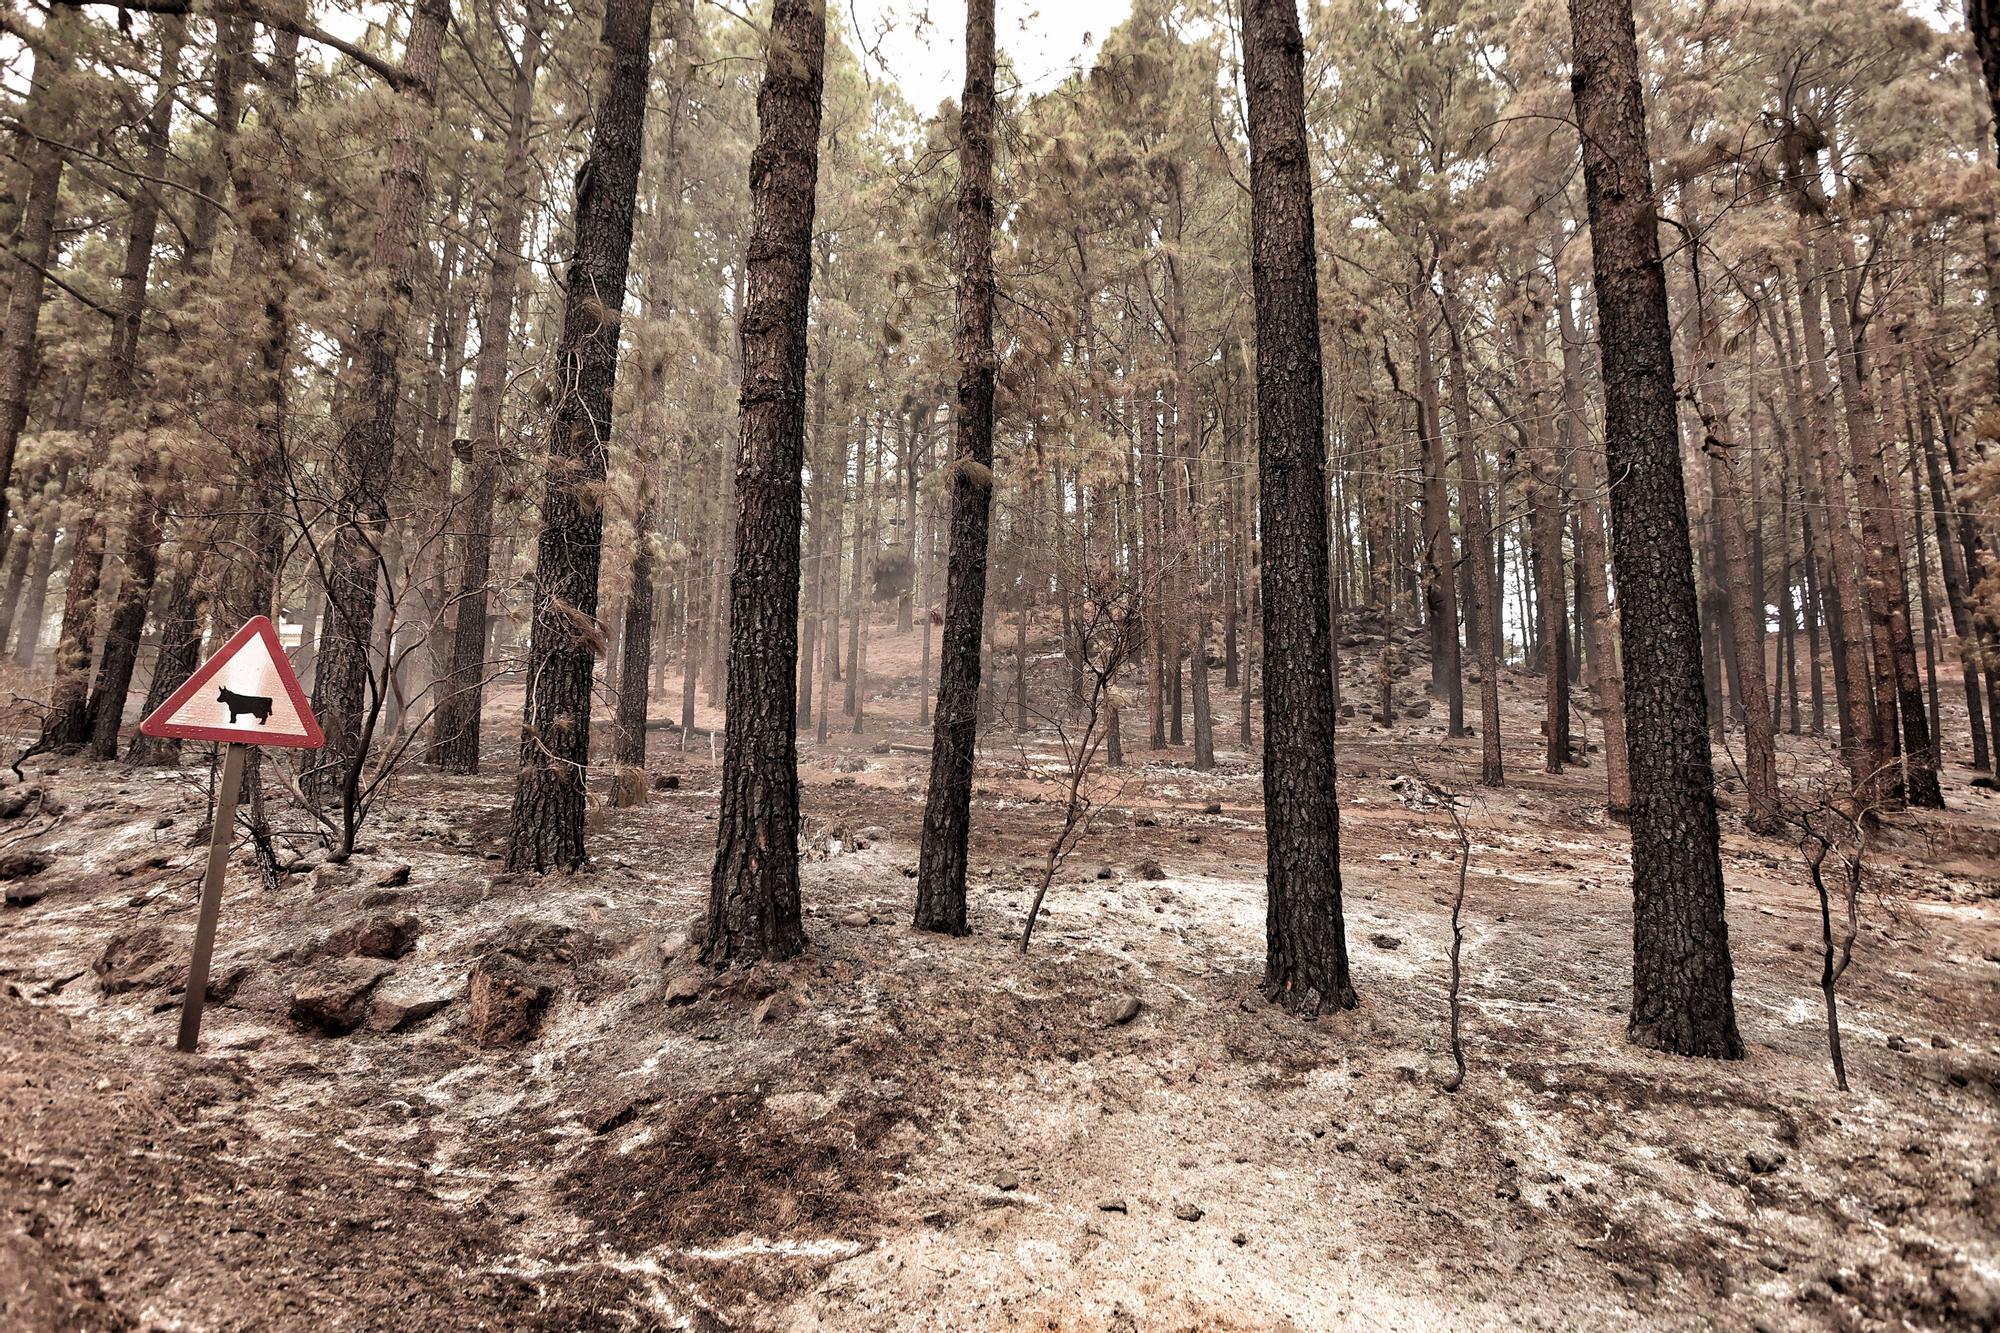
(143, 531)
(455, 730)
(1305, 966)
(546, 830)
(342, 698)
(1681, 974)
(1982, 18)
(948, 805)
(753, 901)
(49, 107)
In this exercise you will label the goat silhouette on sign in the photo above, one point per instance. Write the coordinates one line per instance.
(256, 705)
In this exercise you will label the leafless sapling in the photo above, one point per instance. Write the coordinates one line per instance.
(1436, 794)
(407, 624)
(1106, 628)
(1830, 823)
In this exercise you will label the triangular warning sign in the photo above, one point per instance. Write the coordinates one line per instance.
(245, 693)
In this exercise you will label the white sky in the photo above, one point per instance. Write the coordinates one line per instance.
(921, 43)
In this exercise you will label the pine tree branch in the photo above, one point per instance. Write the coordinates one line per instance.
(83, 298)
(393, 74)
(123, 169)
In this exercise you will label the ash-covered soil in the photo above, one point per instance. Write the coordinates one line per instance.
(435, 1095)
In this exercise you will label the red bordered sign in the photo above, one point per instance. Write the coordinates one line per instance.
(246, 693)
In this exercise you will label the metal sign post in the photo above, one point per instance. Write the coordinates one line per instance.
(220, 839)
(245, 695)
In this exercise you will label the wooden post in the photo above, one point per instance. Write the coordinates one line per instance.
(224, 826)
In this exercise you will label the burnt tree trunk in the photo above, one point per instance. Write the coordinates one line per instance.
(867, 545)
(636, 640)
(926, 595)
(1812, 566)
(948, 805)
(1973, 548)
(367, 450)
(1788, 637)
(827, 643)
(642, 604)
(1745, 603)
(33, 242)
(1440, 582)
(1305, 967)
(1951, 557)
(71, 720)
(1183, 497)
(1901, 696)
(1545, 545)
(723, 558)
(857, 566)
(753, 899)
(39, 513)
(19, 548)
(455, 729)
(1607, 680)
(1982, 17)
(1861, 742)
(1681, 974)
(547, 824)
(143, 531)
(816, 537)
(1482, 620)
(179, 651)
(41, 563)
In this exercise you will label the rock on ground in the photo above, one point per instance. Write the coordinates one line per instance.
(332, 999)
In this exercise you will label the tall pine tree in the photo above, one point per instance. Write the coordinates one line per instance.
(1305, 965)
(1681, 975)
(753, 895)
(955, 726)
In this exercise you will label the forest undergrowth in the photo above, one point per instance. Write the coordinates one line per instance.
(910, 1131)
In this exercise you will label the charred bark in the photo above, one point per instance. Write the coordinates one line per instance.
(366, 454)
(33, 242)
(1745, 606)
(547, 824)
(948, 806)
(1607, 678)
(141, 553)
(753, 900)
(455, 729)
(1305, 966)
(1681, 974)
(1482, 617)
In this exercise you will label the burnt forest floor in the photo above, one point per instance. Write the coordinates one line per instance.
(900, 1131)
